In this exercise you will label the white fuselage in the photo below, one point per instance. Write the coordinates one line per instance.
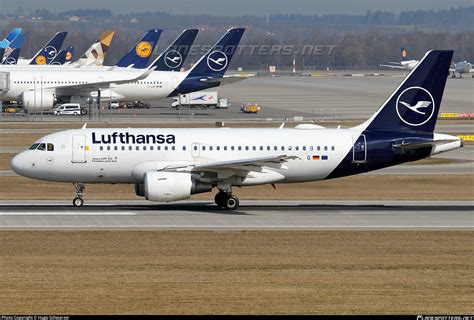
(118, 162)
(158, 85)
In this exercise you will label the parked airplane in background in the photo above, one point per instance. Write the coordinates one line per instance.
(12, 59)
(172, 164)
(95, 55)
(40, 88)
(46, 54)
(14, 40)
(404, 64)
(461, 68)
(140, 54)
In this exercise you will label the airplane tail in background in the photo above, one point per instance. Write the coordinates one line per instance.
(172, 59)
(95, 55)
(404, 54)
(13, 57)
(60, 58)
(414, 106)
(15, 33)
(50, 50)
(216, 61)
(69, 54)
(140, 54)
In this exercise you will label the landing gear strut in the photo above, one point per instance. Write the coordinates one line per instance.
(78, 201)
(226, 200)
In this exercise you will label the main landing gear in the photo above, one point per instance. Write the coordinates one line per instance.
(226, 200)
(78, 201)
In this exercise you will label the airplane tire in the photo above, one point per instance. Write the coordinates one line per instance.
(77, 202)
(220, 199)
(232, 203)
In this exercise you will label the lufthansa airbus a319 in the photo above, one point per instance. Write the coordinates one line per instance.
(172, 164)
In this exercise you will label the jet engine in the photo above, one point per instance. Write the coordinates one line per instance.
(170, 186)
(38, 100)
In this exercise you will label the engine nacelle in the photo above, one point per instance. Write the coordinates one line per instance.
(38, 100)
(170, 186)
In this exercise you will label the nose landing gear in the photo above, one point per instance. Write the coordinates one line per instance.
(78, 201)
(226, 201)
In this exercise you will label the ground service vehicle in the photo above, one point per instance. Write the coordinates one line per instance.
(70, 109)
(203, 100)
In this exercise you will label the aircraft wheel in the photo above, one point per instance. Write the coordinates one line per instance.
(77, 202)
(220, 199)
(232, 203)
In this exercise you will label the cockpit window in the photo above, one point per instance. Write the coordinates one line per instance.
(50, 147)
(34, 146)
(42, 146)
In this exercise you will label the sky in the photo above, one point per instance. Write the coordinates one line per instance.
(237, 7)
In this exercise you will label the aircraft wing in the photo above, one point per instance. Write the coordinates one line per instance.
(226, 79)
(393, 66)
(254, 162)
(86, 88)
(232, 165)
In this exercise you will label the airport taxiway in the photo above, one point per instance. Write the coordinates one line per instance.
(252, 215)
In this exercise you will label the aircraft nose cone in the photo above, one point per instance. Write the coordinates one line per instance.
(19, 164)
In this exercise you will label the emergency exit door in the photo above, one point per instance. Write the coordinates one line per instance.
(79, 149)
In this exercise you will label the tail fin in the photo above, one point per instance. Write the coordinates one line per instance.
(69, 54)
(15, 43)
(415, 104)
(216, 61)
(13, 57)
(2, 53)
(60, 58)
(404, 54)
(15, 33)
(172, 59)
(139, 55)
(50, 50)
(95, 55)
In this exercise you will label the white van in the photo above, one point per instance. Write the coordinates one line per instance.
(70, 109)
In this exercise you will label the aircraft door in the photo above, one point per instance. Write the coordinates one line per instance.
(359, 149)
(195, 149)
(78, 149)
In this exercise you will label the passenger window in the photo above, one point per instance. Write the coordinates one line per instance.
(218, 148)
(254, 148)
(115, 148)
(318, 148)
(173, 148)
(195, 148)
(210, 148)
(50, 147)
(289, 148)
(34, 146)
(225, 148)
(232, 148)
(275, 148)
(282, 148)
(151, 148)
(101, 148)
(261, 148)
(166, 148)
(144, 148)
(130, 148)
(42, 147)
(108, 147)
(137, 148)
(239, 148)
(158, 148)
(246, 148)
(203, 148)
(123, 148)
(304, 148)
(325, 148)
(268, 148)
(184, 148)
(333, 148)
(297, 148)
